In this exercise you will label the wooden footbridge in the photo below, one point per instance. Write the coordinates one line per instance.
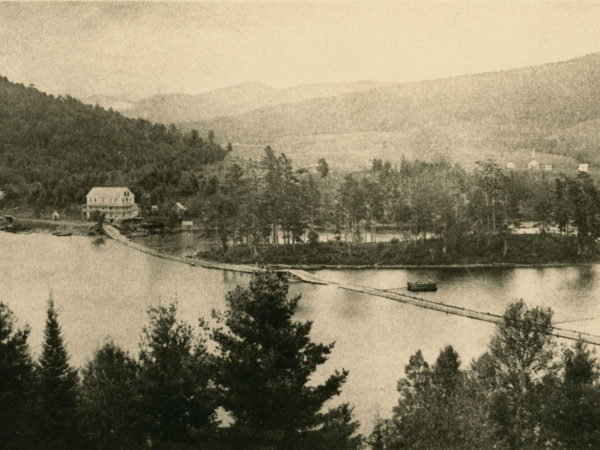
(391, 294)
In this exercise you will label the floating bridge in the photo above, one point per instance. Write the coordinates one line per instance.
(307, 277)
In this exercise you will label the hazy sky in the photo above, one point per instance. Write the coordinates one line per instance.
(137, 49)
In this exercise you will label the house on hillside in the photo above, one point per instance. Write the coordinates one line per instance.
(548, 167)
(510, 166)
(178, 209)
(584, 167)
(117, 203)
(533, 164)
(55, 215)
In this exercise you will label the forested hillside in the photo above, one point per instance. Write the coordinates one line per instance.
(53, 149)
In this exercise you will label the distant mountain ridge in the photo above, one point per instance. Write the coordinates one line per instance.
(241, 98)
(546, 96)
(498, 114)
(108, 102)
(550, 108)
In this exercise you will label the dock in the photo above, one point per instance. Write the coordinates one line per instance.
(113, 233)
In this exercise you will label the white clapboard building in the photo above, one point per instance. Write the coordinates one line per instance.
(117, 203)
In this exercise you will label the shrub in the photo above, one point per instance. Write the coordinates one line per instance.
(313, 237)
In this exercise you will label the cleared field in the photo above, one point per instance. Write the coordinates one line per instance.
(354, 151)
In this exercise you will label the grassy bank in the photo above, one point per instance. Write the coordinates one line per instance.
(521, 249)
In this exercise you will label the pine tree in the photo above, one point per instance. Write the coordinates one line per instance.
(264, 362)
(15, 378)
(57, 385)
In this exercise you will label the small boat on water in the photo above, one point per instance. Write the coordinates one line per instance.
(62, 233)
(422, 286)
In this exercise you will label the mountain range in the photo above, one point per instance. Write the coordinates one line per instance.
(553, 109)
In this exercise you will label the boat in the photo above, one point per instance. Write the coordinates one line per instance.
(422, 286)
(62, 233)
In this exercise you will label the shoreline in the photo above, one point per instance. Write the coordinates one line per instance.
(315, 267)
(83, 228)
(310, 267)
(45, 225)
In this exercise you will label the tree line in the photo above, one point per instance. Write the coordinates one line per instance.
(255, 363)
(276, 203)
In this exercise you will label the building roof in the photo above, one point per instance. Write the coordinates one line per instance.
(107, 192)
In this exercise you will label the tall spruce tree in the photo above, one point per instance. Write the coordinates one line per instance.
(264, 362)
(57, 384)
(15, 378)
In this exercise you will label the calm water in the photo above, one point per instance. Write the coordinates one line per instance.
(103, 291)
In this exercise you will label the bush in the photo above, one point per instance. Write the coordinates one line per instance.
(313, 237)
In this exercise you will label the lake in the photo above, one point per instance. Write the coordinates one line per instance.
(102, 292)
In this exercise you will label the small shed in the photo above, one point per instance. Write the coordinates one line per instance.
(55, 215)
(583, 167)
(548, 167)
(510, 166)
(187, 224)
(154, 209)
(533, 165)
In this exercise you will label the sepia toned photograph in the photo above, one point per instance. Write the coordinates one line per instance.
(303, 225)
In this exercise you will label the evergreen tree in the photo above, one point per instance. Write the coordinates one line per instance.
(57, 385)
(110, 400)
(177, 400)
(264, 362)
(15, 377)
(323, 168)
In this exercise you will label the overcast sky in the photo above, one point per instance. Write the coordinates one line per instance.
(138, 49)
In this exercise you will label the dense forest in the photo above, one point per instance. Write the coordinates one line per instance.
(54, 149)
(272, 202)
(256, 363)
